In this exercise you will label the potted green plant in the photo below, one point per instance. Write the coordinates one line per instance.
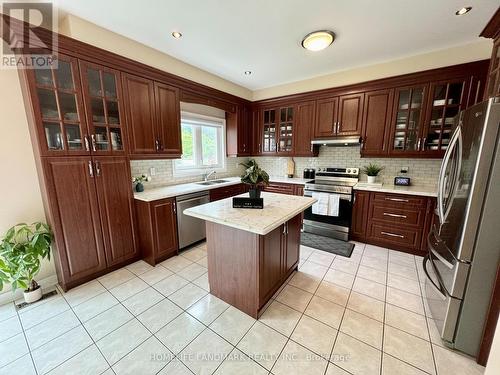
(21, 251)
(139, 182)
(372, 170)
(255, 177)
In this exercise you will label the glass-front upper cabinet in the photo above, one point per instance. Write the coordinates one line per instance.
(407, 119)
(269, 131)
(102, 94)
(285, 143)
(59, 109)
(445, 102)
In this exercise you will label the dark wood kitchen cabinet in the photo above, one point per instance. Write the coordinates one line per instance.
(376, 122)
(339, 116)
(239, 132)
(227, 191)
(304, 129)
(277, 131)
(359, 215)
(291, 244)
(157, 225)
(168, 120)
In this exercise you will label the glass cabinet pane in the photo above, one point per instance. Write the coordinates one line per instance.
(48, 103)
(64, 76)
(98, 111)
(94, 82)
(270, 137)
(408, 119)
(67, 103)
(43, 77)
(109, 85)
(53, 136)
(101, 138)
(113, 114)
(116, 139)
(74, 137)
(286, 129)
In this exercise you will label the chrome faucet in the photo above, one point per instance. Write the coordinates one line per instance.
(206, 176)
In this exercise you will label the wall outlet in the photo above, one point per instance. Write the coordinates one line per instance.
(404, 169)
(152, 171)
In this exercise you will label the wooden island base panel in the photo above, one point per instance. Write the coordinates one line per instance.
(245, 269)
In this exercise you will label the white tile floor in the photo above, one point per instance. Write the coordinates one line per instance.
(358, 315)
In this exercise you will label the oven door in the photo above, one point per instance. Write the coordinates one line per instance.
(330, 226)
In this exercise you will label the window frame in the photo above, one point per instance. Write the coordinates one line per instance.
(198, 121)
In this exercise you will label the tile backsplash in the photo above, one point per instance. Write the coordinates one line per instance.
(421, 171)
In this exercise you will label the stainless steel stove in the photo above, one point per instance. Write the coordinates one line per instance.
(332, 181)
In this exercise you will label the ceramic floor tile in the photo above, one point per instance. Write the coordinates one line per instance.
(391, 366)
(84, 292)
(403, 283)
(155, 275)
(345, 266)
(187, 296)
(294, 297)
(335, 370)
(202, 282)
(51, 328)
(362, 328)
(399, 270)
(340, 278)
(369, 288)
(450, 362)
(376, 252)
(408, 348)
(305, 282)
(366, 305)
(21, 366)
(239, 363)
(121, 341)
(175, 264)
(12, 348)
(372, 274)
(7, 311)
(139, 267)
(373, 262)
(295, 359)
(142, 301)
(108, 321)
(322, 258)
(403, 259)
(170, 285)
(305, 251)
(207, 309)
(434, 334)
(355, 356)
(194, 254)
(175, 367)
(280, 317)
(38, 314)
(315, 336)
(313, 269)
(88, 362)
(405, 300)
(159, 315)
(203, 262)
(57, 351)
(325, 311)
(191, 272)
(9, 328)
(205, 353)
(333, 293)
(148, 358)
(263, 344)
(93, 307)
(406, 320)
(128, 288)
(177, 334)
(116, 278)
(232, 324)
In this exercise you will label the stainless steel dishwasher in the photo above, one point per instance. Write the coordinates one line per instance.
(190, 229)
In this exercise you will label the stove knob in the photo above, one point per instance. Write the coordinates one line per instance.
(348, 171)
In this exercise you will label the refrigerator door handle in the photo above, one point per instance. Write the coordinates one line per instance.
(435, 252)
(437, 288)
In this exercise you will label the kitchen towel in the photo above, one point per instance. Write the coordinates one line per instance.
(333, 204)
(321, 206)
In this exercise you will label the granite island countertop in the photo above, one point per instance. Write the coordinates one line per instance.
(422, 190)
(278, 209)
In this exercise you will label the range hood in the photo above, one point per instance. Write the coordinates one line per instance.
(338, 141)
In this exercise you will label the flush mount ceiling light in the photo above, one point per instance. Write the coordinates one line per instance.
(318, 40)
(248, 72)
(463, 10)
(177, 35)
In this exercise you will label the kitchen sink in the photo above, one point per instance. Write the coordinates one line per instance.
(213, 182)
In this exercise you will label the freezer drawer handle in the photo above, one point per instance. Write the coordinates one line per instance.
(435, 252)
(394, 215)
(392, 234)
(397, 199)
(438, 289)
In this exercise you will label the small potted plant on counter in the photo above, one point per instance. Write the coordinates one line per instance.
(372, 170)
(139, 182)
(255, 177)
(21, 251)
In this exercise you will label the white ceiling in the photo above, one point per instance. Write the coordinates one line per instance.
(227, 37)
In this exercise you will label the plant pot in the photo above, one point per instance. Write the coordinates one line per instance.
(139, 187)
(33, 296)
(254, 192)
(372, 179)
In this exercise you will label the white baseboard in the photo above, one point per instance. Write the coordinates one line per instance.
(47, 284)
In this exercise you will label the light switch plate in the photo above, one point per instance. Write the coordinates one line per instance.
(152, 171)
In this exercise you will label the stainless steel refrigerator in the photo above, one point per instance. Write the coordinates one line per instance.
(464, 244)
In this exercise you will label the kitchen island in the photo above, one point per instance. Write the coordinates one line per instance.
(251, 252)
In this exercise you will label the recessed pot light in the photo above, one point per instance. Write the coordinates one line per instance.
(248, 72)
(463, 10)
(177, 35)
(318, 40)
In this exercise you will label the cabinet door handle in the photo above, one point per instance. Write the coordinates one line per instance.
(312, 148)
(277, 147)
(97, 168)
(397, 199)
(338, 127)
(87, 144)
(394, 215)
(91, 169)
(334, 127)
(392, 234)
(419, 144)
(175, 208)
(260, 149)
(363, 142)
(423, 143)
(157, 145)
(92, 137)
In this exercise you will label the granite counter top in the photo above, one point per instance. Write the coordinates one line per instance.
(423, 190)
(278, 208)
